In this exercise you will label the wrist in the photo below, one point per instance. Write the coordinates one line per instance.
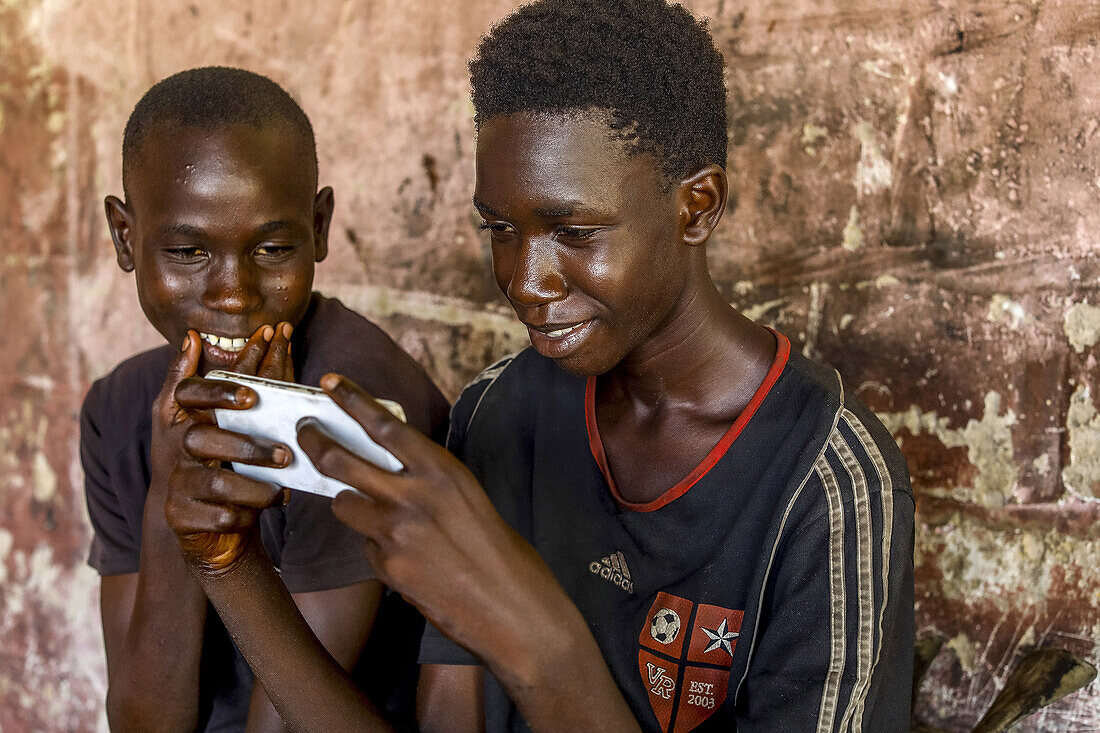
(540, 654)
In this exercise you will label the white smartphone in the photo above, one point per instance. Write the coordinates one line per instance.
(279, 407)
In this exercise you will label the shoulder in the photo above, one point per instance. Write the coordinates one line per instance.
(334, 330)
(127, 391)
(337, 339)
(501, 394)
(855, 460)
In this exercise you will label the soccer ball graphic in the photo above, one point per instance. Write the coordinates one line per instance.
(665, 626)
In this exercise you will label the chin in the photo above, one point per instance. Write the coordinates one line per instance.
(579, 366)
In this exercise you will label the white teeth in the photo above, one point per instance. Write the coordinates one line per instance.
(561, 331)
(226, 343)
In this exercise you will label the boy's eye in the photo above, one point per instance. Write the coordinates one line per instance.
(568, 232)
(185, 253)
(274, 249)
(495, 227)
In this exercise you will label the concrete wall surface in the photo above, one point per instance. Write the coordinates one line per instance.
(914, 200)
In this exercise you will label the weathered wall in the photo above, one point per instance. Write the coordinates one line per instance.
(914, 189)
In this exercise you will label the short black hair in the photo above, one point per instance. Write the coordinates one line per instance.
(648, 63)
(210, 97)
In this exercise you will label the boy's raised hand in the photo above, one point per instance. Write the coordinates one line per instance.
(212, 510)
(434, 536)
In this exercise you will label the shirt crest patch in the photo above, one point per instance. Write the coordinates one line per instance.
(685, 659)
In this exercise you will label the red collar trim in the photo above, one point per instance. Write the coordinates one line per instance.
(783, 351)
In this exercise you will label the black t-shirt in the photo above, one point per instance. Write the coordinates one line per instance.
(771, 589)
(310, 547)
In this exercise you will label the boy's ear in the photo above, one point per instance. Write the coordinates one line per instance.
(120, 222)
(702, 200)
(322, 216)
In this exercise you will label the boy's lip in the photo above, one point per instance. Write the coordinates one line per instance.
(558, 340)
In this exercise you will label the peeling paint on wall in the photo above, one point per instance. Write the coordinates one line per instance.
(1082, 472)
(988, 444)
(1003, 309)
(853, 232)
(874, 172)
(1082, 326)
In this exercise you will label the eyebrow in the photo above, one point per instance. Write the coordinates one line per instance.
(187, 230)
(274, 226)
(550, 212)
(555, 211)
(484, 208)
(182, 229)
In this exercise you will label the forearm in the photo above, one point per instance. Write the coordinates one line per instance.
(154, 677)
(302, 680)
(559, 680)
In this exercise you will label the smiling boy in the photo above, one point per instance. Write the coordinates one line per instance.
(222, 225)
(664, 517)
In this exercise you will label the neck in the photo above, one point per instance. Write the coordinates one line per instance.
(707, 358)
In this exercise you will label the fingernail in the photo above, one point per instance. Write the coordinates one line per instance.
(186, 341)
(268, 332)
(241, 395)
(287, 329)
(330, 381)
(280, 455)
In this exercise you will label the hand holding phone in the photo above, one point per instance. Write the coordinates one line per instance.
(280, 407)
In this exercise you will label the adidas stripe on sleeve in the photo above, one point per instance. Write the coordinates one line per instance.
(823, 661)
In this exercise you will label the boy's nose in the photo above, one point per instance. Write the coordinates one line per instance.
(232, 288)
(536, 277)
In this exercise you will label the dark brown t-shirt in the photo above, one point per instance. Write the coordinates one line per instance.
(311, 548)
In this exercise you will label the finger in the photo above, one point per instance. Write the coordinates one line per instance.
(336, 461)
(288, 365)
(406, 443)
(187, 516)
(196, 393)
(358, 511)
(249, 358)
(184, 364)
(278, 353)
(224, 487)
(208, 442)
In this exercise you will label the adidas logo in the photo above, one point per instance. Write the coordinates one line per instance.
(613, 569)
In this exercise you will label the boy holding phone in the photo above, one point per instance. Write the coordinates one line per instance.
(222, 224)
(664, 518)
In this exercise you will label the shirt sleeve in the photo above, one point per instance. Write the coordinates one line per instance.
(114, 550)
(835, 650)
(435, 648)
(319, 552)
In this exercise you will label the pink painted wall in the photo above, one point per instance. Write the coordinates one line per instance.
(915, 189)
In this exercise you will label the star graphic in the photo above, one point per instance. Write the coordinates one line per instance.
(720, 638)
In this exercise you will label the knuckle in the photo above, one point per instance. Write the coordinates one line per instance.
(417, 501)
(330, 459)
(251, 452)
(174, 513)
(342, 503)
(193, 436)
(217, 486)
(225, 519)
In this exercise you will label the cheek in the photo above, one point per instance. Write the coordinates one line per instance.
(161, 292)
(503, 266)
(288, 292)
